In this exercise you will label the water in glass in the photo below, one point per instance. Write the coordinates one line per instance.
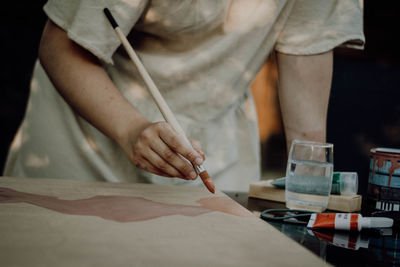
(309, 176)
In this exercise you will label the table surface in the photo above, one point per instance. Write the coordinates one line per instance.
(340, 248)
(368, 248)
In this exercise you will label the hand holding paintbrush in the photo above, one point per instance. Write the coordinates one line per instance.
(159, 100)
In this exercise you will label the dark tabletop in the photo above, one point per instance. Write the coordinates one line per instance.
(340, 248)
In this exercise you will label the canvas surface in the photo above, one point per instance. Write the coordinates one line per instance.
(47, 222)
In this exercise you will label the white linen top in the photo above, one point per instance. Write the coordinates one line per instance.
(202, 55)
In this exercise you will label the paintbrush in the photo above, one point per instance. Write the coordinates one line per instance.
(157, 97)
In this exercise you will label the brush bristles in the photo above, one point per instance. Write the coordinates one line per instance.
(207, 181)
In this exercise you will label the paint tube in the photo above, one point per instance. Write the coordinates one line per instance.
(347, 221)
(343, 183)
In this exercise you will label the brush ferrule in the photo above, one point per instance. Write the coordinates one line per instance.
(199, 169)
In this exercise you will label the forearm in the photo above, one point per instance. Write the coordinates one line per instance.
(84, 84)
(304, 89)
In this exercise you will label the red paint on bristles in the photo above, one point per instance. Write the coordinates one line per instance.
(207, 181)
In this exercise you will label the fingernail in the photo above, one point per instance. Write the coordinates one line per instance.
(193, 175)
(198, 161)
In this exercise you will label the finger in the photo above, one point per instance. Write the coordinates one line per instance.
(177, 143)
(162, 165)
(172, 159)
(145, 165)
(197, 146)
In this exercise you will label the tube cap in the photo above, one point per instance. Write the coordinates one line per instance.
(375, 222)
(380, 222)
(348, 183)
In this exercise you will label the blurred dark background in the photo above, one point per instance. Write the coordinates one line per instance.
(364, 110)
(20, 29)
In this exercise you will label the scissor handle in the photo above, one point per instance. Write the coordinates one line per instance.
(301, 213)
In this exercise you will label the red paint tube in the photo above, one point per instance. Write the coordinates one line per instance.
(347, 221)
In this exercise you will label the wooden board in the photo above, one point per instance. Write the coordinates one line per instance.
(265, 190)
(49, 222)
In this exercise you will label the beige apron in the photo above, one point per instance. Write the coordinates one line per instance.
(202, 55)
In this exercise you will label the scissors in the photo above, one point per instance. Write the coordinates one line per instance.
(286, 215)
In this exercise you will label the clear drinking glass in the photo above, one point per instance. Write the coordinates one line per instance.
(309, 175)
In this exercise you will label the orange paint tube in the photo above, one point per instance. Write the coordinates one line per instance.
(347, 221)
